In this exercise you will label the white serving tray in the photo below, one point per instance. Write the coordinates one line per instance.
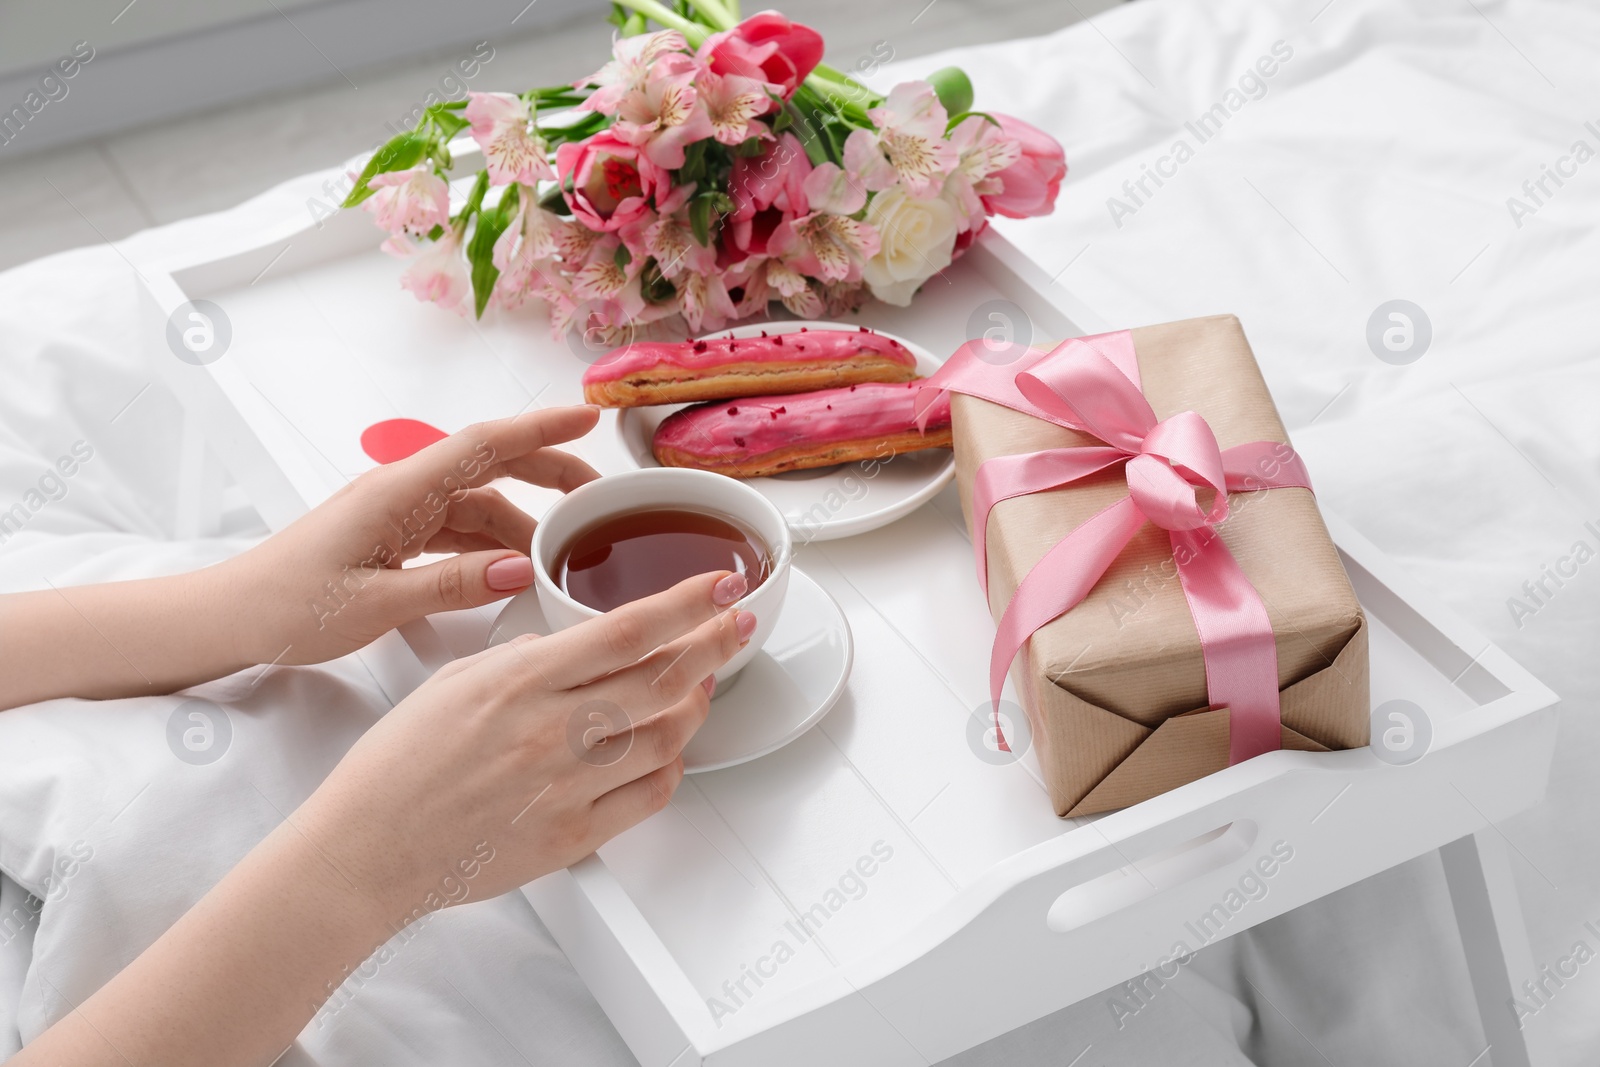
(982, 911)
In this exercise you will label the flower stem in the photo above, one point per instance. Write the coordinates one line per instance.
(838, 84)
(840, 102)
(475, 198)
(692, 31)
(716, 13)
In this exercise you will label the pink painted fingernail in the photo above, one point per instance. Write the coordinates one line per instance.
(710, 685)
(729, 589)
(513, 572)
(746, 622)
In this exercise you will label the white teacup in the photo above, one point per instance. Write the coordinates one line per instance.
(664, 487)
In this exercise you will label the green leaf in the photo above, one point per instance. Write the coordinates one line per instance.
(957, 119)
(657, 288)
(954, 89)
(816, 149)
(622, 257)
(700, 212)
(475, 198)
(492, 222)
(750, 146)
(447, 121)
(694, 163)
(403, 151)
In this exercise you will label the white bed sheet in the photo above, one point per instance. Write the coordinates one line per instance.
(1375, 164)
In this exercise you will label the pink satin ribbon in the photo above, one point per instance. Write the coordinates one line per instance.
(1177, 478)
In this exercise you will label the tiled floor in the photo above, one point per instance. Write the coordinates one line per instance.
(108, 188)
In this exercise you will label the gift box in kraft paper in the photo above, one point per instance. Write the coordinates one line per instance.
(1115, 689)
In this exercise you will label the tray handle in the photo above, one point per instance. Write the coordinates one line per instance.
(1155, 871)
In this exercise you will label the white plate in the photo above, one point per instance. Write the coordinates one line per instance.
(825, 502)
(781, 693)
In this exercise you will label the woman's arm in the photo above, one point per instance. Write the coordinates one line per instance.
(480, 781)
(119, 639)
(477, 780)
(325, 586)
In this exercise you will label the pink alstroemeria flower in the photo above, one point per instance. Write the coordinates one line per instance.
(746, 282)
(831, 188)
(607, 182)
(502, 124)
(704, 302)
(768, 48)
(603, 282)
(984, 151)
(825, 246)
(665, 114)
(631, 60)
(413, 201)
(819, 238)
(1030, 184)
(912, 150)
(670, 238)
(525, 253)
(794, 290)
(733, 104)
(438, 271)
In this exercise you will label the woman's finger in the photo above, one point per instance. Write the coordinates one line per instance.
(549, 467)
(634, 801)
(627, 634)
(465, 581)
(449, 542)
(478, 454)
(623, 746)
(677, 668)
(488, 512)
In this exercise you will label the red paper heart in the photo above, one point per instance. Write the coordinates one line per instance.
(395, 439)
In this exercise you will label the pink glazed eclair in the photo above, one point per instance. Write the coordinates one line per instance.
(757, 436)
(719, 368)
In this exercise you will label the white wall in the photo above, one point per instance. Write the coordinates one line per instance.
(163, 58)
(33, 33)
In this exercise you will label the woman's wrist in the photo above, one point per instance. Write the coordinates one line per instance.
(216, 618)
(253, 615)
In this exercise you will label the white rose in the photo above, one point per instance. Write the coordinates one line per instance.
(916, 238)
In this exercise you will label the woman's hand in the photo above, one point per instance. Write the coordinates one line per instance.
(502, 767)
(533, 752)
(331, 582)
(327, 585)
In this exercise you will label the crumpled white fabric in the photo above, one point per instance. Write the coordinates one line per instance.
(1376, 164)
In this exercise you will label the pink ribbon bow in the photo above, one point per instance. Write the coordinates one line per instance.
(1178, 479)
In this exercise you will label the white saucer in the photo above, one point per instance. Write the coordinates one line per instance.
(826, 502)
(781, 693)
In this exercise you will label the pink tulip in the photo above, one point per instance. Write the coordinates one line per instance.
(607, 182)
(768, 48)
(1031, 183)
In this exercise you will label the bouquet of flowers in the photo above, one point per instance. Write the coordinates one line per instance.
(712, 166)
